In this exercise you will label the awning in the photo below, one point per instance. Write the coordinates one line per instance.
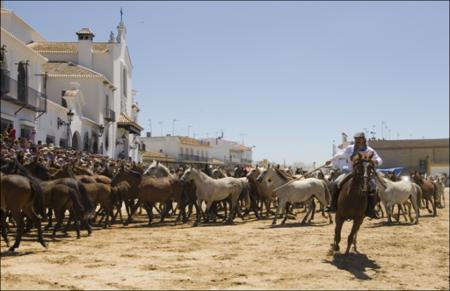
(128, 124)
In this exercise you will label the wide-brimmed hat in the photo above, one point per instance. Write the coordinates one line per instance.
(359, 134)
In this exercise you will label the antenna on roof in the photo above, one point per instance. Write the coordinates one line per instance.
(121, 14)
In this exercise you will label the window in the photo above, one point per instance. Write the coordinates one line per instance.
(22, 81)
(3, 63)
(107, 103)
(86, 142)
(62, 143)
(50, 139)
(4, 71)
(106, 140)
(124, 82)
(25, 131)
(5, 124)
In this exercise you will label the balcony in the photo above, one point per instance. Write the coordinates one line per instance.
(182, 157)
(246, 161)
(24, 96)
(110, 115)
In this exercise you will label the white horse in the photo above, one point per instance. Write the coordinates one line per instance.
(399, 192)
(211, 190)
(158, 170)
(292, 191)
(440, 191)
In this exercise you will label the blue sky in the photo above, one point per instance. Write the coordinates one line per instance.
(287, 77)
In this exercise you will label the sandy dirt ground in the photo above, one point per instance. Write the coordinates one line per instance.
(247, 255)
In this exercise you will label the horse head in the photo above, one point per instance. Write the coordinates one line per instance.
(364, 169)
(187, 175)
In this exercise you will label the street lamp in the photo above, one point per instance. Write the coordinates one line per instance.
(101, 129)
(173, 126)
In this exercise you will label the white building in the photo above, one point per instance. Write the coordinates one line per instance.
(230, 152)
(23, 97)
(90, 98)
(176, 149)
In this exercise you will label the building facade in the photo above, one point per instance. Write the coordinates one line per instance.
(426, 155)
(176, 149)
(230, 152)
(23, 82)
(87, 88)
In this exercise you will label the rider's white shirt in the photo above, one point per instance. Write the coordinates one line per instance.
(342, 160)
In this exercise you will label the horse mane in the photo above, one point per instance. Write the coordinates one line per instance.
(283, 174)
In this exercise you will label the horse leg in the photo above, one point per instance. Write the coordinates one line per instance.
(434, 203)
(426, 204)
(208, 211)
(28, 224)
(50, 219)
(119, 206)
(286, 211)
(149, 209)
(404, 211)
(17, 216)
(59, 215)
(313, 206)
(337, 232)
(165, 211)
(37, 221)
(198, 210)
(311, 209)
(4, 227)
(280, 205)
(409, 212)
(74, 217)
(352, 236)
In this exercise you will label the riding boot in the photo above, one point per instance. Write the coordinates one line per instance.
(371, 203)
(334, 198)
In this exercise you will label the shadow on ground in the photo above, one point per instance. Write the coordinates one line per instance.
(356, 264)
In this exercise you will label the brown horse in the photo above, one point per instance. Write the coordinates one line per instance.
(18, 194)
(133, 178)
(352, 201)
(162, 190)
(62, 194)
(429, 190)
(264, 193)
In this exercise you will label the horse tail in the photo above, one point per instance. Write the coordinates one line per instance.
(76, 203)
(115, 194)
(327, 192)
(88, 204)
(38, 199)
(419, 195)
(245, 194)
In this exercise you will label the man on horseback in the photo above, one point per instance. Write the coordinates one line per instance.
(359, 146)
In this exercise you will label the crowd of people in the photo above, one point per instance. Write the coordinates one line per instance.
(25, 150)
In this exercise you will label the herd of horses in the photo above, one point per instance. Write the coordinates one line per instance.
(32, 193)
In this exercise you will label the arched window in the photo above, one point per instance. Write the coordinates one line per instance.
(3, 63)
(22, 82)
(4, 71)
(124, 82)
